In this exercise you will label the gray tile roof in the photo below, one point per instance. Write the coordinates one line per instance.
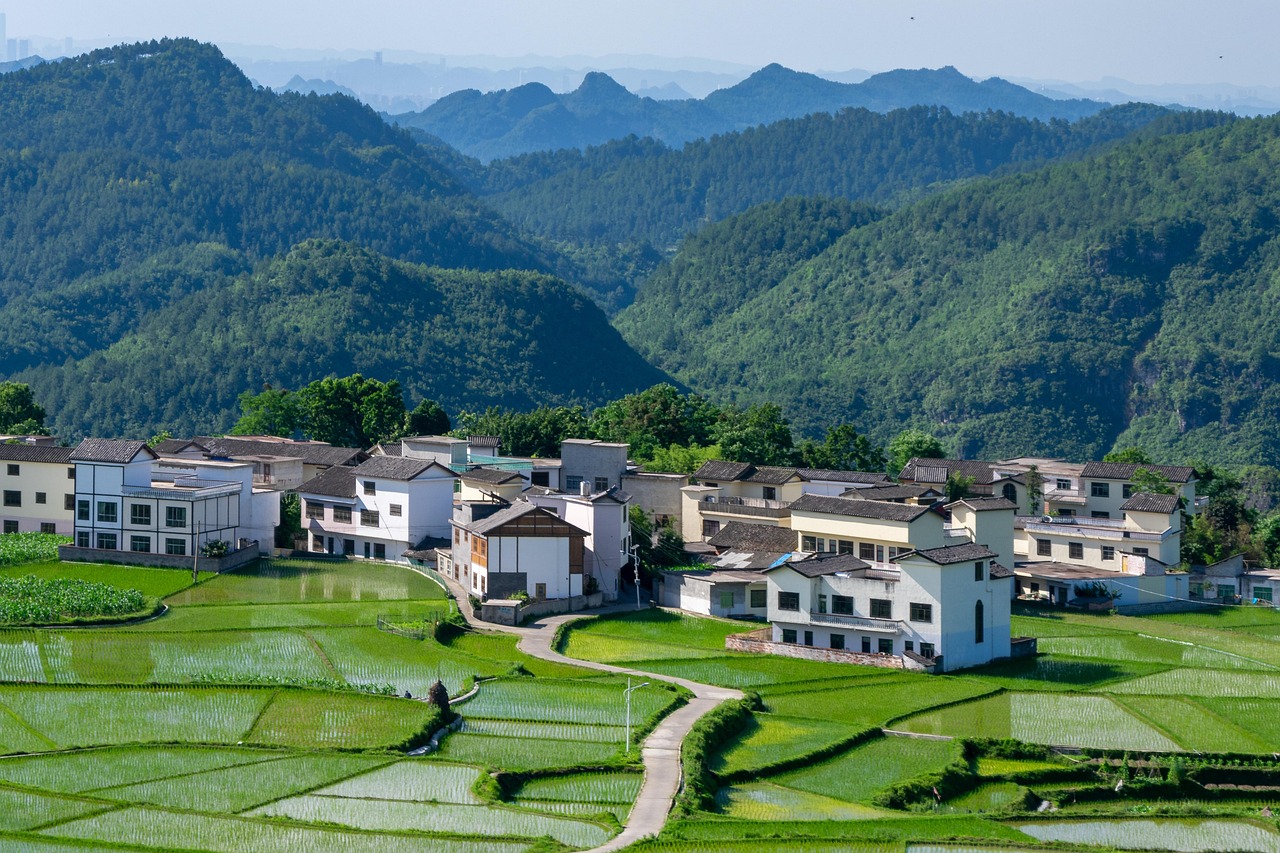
(338, 482)
(938, 470)
(517, 510)
(1125, 471)
(178, 445)
(890, 493)
(717, 470)
(311, 453)
(741, 536)
(998, 571)
(984, 504)
(390, 448)
(35, 453)
(771, 475)
(490, 476)
(858, 509)
(871, 477)
(395, 467)
(113, 450)
(1150, 502)
(966, 553)
(827, 564)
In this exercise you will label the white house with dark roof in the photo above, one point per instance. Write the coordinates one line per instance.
(500, 549)
(604, 518)
(480, 484)
(379, 509)
(270, 457)
(37, 489)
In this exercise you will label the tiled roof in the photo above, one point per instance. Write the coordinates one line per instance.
(35, 453)
(890, 493)
(871, 477)
(338, 482)
(172, 446)
(112, 450)
(517, 510)
(394, 467)
(827, 564)
(490, 476)
(938, 470)
(1150, 502)
(390, 448)
(719, 470)
(966, 553)
(1125, 471)
(741, 536)
(984, 504)
(998, 571)
(310, 452)
(771, 475)
(857, 508)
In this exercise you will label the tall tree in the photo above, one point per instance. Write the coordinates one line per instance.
(843, 449)
(427, 418)
(272, 411)
(352, 411)
(912, 443)
(760, 435)
(657, 417)
(20, 414)
(537, 433)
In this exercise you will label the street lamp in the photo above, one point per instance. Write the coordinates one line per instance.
(635, 564)
(628, 693)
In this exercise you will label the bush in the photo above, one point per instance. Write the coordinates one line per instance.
(215, 548)
(703, 741)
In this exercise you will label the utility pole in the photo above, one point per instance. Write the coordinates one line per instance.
(635, 563)
(195, 553)
(628, 692)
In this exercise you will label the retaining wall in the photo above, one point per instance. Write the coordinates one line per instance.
(755, 643)
(234, 560)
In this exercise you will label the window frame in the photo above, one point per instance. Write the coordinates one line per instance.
(1098, 489)
(788, 601)
(920, 611)
(881, 608)
(1044, 547)
(341, 514)
(175, 547)
(135, 541)
(140, 514)
(1075, 550)
(315, 510)
(842, 605)
(759, 599)
(175, 513)
(370, 518)
(111, 517)
(13, 497)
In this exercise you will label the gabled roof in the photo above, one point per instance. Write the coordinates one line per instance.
(338, 482)
(174, 446)
(819, 565)
(389, 448)
(1151, 502)
(857, 508)
(111, 450)
(1125, 471)
(891, 493)
(985, 504)
(310, 452)
(741, 536)
(484, 440)
(938, 470)
(771, 475)
(869, 477)
(35, 453)
(998, 571)
(490, 476)
(397, 468)
(523, 510)
(951, 554)
(717, 469)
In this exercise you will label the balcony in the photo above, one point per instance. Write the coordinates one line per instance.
(182, 489)
(955, 531)
(1098, 528)
(1070, 496)
(861, 623)
(757, 507)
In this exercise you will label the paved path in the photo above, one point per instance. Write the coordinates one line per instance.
(661, 749)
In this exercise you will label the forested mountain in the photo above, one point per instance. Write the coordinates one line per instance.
(468, 339)
(638, 190)
(1128, 298)
(533, 118)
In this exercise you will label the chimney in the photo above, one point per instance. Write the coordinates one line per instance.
(584, 489)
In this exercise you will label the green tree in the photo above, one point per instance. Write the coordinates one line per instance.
(655, 418)
(352, 411)
(957, 486)
(272, 411)
(677, 459)
(537, 433)
(912, 444)
(427, 418)
(1136, 455)
(20, 414)
(290, 526)
(1035, 490)
(657, 546)
(759, 435)
(843, 449)
(162, 435)
(1147, 480)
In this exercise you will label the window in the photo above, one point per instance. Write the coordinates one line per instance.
(978, 574)
(808, 543)
(140, 514)
(13, 470)
(1262, 593)
(140, 544)
(48, 527)
(540, 478)
(572, 484)
(866, 645)
(881, 608)
(370, 488)
(1044, 548)
(1010, 493)
(12, 498)
(1140, 552)
(10, 526)
(921, 612)
(1100, 490)
(1226, 590)
(82, 512)
(710, 527)
(82, 539)
(846, 547)
(759, 598)
(175, 516)
(69, 502)
(348, 546)
(866, 551)
(926, 650)
(788, 601)
(978, 622)
(822, 544)
(1108, 552)
(1075, 550)
(884, 646)
(808, 638)
(368, 518)
(1063, 485)
(879, 553)
(71, 473)
(379, 551)
(769, 493)
(908, 645)
(726, 599)
(397, 510)
(1067, 513)
(822, 602)
(315, 510)
(40, 498)
(540, 591)
(837, 641)
(842, 604)
(1126, 491)
(1099, 513)
(602, 484)
(107, 512)
(342, 514)
(107, 541)
(788, 635)
(175, 547)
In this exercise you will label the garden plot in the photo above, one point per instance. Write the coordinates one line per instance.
(544, 731)
(1256, 716)
(20, 656)
(293, 581)
(157, 582)
(591, 811)
(1052, 672)
(892, 832)
(99, 716)
(989, 797)
(766, 801)
(1185, 834)
(501, 648)
(1048, 718)
(1202, 682)
(1131, 648)
(1061, 624)
(770, 739)
(370, 656)
(166, 830)
(989, 766)
(876, 703)
(774, 845)
(555, 701)
(305, 719)
(77, 772)
(24, 810)
(234, 789)
(30, 547)
(584, 788)
(511, 753)
(866, 769)
(1193, 726)
(412, 780)
(437, 817)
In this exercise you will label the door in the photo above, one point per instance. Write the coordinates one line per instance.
(348, 546)
(540, 591)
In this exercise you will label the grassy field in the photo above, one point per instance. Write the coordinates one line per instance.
(772, 738)
(856, 775)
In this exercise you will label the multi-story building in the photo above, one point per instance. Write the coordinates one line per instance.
(500, 549)
(37, 484)
(604, 519)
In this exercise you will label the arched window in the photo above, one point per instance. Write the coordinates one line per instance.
(1010, 493)
(977, 622)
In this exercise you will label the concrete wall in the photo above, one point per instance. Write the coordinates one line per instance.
(234, 560)
(657, 494)
(47, 479)
(755, 643)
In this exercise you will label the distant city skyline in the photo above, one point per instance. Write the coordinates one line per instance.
(1176, 41)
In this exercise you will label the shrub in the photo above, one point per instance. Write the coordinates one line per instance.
(702, 742)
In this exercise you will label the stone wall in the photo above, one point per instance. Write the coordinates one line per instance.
(234, 560)
(502, 612)
(1022, 647)
(759, 642)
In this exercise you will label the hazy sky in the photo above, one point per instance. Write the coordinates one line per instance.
(1156, 41)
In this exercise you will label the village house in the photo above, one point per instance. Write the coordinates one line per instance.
(37, 482)
(501, 549)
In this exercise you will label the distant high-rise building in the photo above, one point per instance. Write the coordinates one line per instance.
(2, 32)
(24, 48)
(10, 50)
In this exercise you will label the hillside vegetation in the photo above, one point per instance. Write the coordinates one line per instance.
(1124, 299)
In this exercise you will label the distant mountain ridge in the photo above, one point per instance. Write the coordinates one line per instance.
(530, 118)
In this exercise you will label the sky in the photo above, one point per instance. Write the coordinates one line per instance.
(1170, 41)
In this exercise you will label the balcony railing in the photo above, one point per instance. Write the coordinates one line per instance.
(862, 623)
(184, 488)
(1108, 528)
(745, 506)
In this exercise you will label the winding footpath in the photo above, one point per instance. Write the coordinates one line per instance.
(660, 750)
